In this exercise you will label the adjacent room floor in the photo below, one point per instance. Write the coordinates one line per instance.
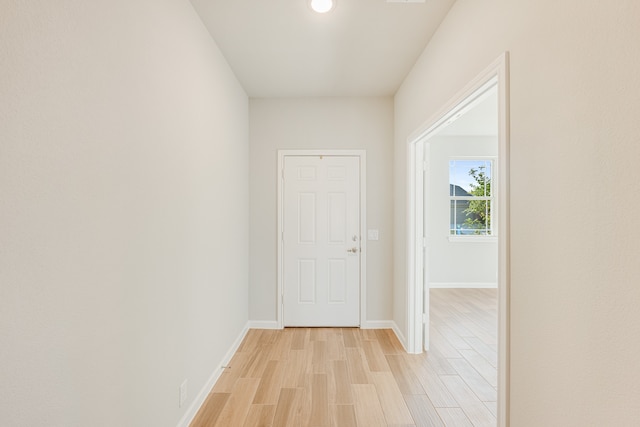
(363, 377)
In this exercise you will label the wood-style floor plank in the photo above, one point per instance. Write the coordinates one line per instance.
(286, 408)
(335, 346)
(319, 401)
(493, 407)
(423, 412)
(375, 358)
(343, 377)
(250, 341)
(341, 384)
(255, 365)
(391, 400)
(454, 417)
(281, 345)
(210, 413)
(490, 354)
(480, 364)
(299, 339)
(260, 416)
(475, 381)
(356, 365)
(348, 337)
(441, 345)
(319, 361)
(404, 376)
(389, 343)
(295, 369)
(236, 409)
(343, 416)
(433, 386)
(270, 384)
(475, 410)
(367, 406)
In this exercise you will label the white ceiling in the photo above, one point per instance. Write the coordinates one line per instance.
(281, 48)
(481, 119)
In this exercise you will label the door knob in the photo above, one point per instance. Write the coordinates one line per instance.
(353, 250)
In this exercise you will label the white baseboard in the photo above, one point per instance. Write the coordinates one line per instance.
(462, 285)
(206, 389)
(263, 324)
(377, 324)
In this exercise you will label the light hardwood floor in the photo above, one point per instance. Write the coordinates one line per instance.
(357, 377)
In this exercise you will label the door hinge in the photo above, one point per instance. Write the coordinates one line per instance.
(424, 242)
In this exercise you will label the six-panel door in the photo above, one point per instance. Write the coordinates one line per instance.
(321, 239)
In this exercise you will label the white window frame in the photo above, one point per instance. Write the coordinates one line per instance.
(494, 203)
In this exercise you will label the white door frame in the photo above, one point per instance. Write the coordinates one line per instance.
(498, 71)
(361, 154)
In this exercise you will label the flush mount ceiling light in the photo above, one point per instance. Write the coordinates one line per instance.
(322, 6)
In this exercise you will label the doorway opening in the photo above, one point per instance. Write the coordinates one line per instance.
(474, 211)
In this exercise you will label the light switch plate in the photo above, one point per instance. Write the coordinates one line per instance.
(372, 234)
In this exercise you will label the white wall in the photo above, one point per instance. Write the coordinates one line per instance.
(123, 211)
(575, 145)
(315, 123)
(456, 263)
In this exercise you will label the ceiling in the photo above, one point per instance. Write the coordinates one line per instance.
(479, 120)
(281, 48)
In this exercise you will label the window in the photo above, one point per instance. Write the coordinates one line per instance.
(471, 197)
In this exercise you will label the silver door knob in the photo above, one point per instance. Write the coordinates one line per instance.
(353, 250)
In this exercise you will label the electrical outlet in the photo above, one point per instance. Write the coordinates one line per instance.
(182, 393)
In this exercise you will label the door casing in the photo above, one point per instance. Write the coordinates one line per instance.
(361, 154)
(498, 71)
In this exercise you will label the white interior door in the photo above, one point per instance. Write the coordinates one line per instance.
(321, 241)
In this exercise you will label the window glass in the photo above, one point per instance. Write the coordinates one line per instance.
(471, 197)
